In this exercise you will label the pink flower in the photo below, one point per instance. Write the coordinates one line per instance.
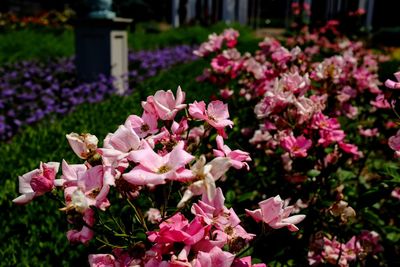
(145, 125)
(227, 63)
(369, 241)
(225, 221)
(205, 176)
(369, 132)
(230, 36)
(330, 136)
(393, 85)
(296, 83)
(215, 257)
(320, 121)
(102, 260)
(178, 229)
(394, 142)
(226, 93)
(396, 193)
(88, 190)
(82, 236)
(237, 157)
(216, 115)
(275, 213)
(213, 44)
(164, 104)
(297, 147)
(380, 102)
(246, 262)
(153, 215)
(350, 149)
(37, 182)
(83, 145)
(281, 55)
(70, 174)
(123, 140)
(155, 169)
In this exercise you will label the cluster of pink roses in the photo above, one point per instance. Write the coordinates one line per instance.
(299, 98)
(305, 94)
(160, 148)
(331, 251)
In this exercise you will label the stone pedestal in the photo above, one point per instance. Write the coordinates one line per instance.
(101, 47)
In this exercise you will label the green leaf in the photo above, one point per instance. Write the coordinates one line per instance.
(394, 237)
(313, 173)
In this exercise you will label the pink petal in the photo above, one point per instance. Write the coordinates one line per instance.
(147, 158)
(255, 214)
(197, 110)
(140, 176)
(271, 208)
(24, 199)
(179, 157)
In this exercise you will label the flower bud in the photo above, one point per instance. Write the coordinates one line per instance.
(83, 145)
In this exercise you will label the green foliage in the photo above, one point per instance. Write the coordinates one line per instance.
(141, 39)
(28, 44)
(43, 45)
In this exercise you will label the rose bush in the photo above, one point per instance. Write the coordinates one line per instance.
(153, 168)
(315, 119)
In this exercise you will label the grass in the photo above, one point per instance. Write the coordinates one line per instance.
(43, 45)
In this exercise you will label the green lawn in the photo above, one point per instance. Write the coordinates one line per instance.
(45, 44)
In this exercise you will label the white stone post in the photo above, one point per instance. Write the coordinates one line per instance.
(101, 47)
(228, 10)
(175, 13)
(370, 14)
(243, 11)
(191, 10)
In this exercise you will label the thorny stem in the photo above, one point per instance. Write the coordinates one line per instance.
(115, 221)
(165, 204)
(139, 215)
(109, 244)
(340, 255)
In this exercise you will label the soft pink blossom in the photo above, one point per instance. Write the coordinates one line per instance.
(153, 215)
(369, 241)
(330, 136)
(368, 132)
(380, 102)
(275, 212)
(155, 169)
(205, 176)
(102, 260)
(164, 104)
(80, 236)
(396, 193)
(83, 145)
(216, 114)
(297, 147)
(394, 142)
(237, 157)
(246, 262)
(230, 36)
(37, 182)
(145, 125)
(178, 229)
(350, 149)
(215, 257)
(226, 93)
(392, 84)
(213, 44)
